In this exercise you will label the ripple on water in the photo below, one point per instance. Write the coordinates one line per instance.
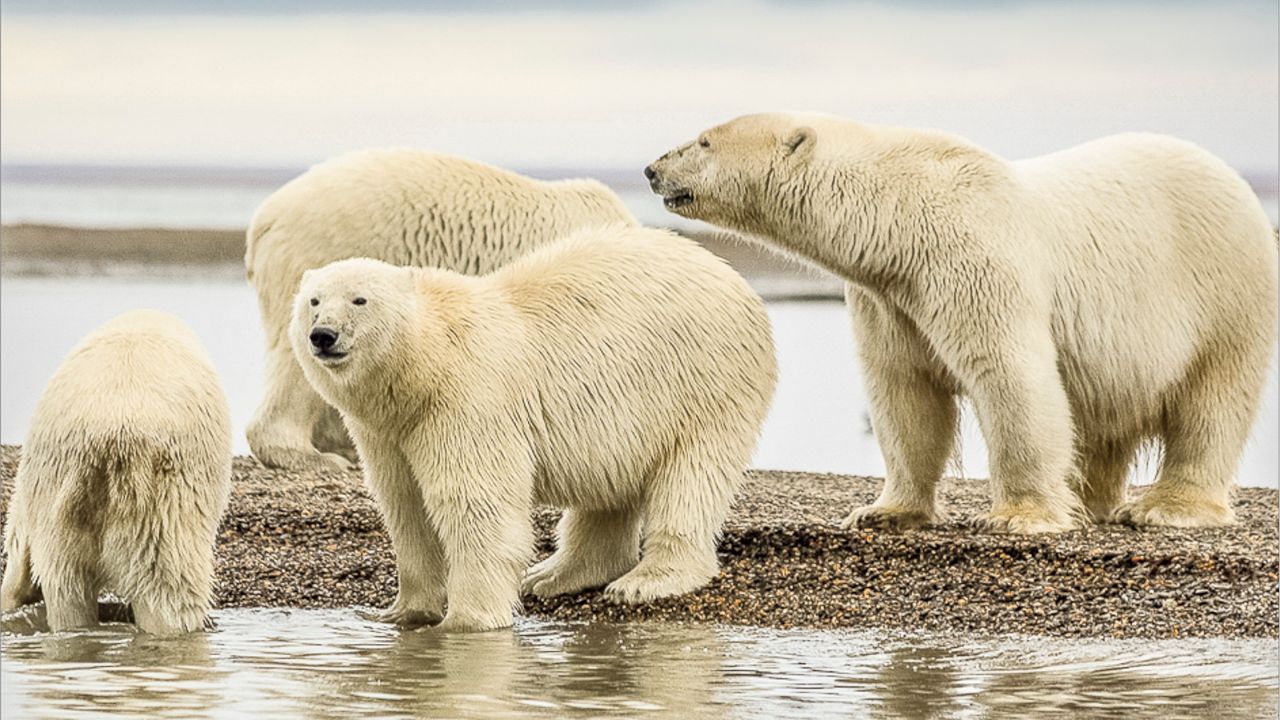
(334, 663)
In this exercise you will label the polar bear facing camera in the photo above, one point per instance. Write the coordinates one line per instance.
(123, 480)
(407, 207)
(1087, 302)
(622, 374)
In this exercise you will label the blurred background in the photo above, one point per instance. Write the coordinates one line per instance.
(136, 139)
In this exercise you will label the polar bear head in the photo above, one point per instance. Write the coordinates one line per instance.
(349, 316)
(732, 168)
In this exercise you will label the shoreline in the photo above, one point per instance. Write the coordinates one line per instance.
(33, 251)
(315, 540)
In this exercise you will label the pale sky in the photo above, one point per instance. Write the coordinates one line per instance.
(614, 88)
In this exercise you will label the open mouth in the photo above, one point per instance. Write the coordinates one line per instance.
(329, 357)
(679, 198)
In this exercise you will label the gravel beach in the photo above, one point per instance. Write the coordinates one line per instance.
(316, 540)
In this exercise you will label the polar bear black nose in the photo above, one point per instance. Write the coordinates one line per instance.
(650, 173)
(323, 338)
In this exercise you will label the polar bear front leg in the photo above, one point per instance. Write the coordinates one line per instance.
(913, 415)
(479, 493)
(280, 434)
(593, 548)
(1025, 417)
(420, 565)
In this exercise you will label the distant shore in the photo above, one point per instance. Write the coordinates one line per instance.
(30, 250)
(315, 540)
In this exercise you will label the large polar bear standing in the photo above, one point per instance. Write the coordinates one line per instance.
(1086, 301)
(123, 480)
(622, 373)
(407, 207)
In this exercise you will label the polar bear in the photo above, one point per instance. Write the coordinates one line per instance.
(123, 480)
(622, 373)
(407, 207)
(1087, 302)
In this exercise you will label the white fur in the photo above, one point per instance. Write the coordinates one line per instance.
(622, 373)
(1086, 302)
(406, 207)
(123, 480)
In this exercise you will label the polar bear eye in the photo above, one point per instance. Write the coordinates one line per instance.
(703, 142)
(359, 301)
(315, 302)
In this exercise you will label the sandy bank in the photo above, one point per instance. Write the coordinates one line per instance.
(317, 541)
(53, 250)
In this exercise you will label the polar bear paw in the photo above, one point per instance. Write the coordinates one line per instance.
(651, 582)
(408, 618)
(467, 623)
(887, 518)
(1026, 519)
(1156, 510)
(306, 460)
(560, 575)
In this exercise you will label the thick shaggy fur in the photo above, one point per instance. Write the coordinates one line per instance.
(123, 480)
(622, 374)
(1086, 302)
(406, 207)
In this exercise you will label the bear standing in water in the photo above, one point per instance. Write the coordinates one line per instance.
(123, 480)
(622, 374)
(1086, 302)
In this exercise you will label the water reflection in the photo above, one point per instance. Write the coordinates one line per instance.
(332, 664)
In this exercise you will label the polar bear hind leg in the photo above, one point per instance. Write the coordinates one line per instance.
(593, 548)
(18, 587)
(1206, 427)
(70, 598)
(1103, 474)
(158, 552)
(687, 501)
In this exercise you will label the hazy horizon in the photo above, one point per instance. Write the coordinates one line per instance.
(567, 85)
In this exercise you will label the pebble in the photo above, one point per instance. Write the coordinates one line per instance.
(315, 540)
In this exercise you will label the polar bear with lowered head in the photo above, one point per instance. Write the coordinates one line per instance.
(1086, 302)
(123, 480)
(622, 374)
(407, 207)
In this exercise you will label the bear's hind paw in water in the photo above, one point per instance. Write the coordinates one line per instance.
(406, 618)
(887, 518)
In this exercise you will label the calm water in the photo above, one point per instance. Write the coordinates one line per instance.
(818, 422)
(331, 664)
(206, 198)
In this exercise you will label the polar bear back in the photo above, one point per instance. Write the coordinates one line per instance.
(1158, 241)
(638, 340)
(143, 374)
(411, 207)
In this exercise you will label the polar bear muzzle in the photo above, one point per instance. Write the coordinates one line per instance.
(324, 343)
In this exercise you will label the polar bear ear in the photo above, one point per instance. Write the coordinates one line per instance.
(800, 142)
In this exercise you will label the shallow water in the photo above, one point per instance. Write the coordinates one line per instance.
(818, 421)
(332, 663)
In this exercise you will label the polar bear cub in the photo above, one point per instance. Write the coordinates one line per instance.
(407, 207)
(622, 374)
(1087, 302)
(123, 480)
